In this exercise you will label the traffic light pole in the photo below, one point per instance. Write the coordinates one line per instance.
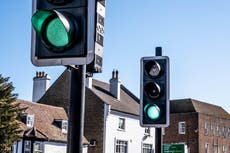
(158, 131)
(158, 140)
(76, 109)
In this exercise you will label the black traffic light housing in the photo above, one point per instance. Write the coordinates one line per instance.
(63, 32)
(154, 92)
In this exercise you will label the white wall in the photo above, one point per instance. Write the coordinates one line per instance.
(133, 133)
(54, 147)
(51, 147)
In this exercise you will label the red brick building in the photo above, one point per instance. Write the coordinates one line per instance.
(202, 127)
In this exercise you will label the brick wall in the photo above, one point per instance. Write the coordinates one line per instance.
(198, 135)
(58, 93)
(190, 137)
(94, 121)
(211, 138)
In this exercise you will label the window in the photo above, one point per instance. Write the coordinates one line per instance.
(218, 130)
(121, 124)
(121, 146)
(64, 126)
(146, 148)
(206, 128)
(229, 133)
(215, 148)
(206, 147)
(224, 132)
(27, 146)
(212, 129)
(224, 149)
(30, 120)
(38, 147)
(147, 131)
(181, 127)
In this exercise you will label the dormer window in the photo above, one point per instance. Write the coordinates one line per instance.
(30, 120)
(64, 126)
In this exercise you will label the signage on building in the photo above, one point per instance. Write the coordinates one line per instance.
(173, 148)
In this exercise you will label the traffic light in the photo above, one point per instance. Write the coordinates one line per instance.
(63, 32)
(154, 97)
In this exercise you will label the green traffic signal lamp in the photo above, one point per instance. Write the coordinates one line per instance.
(56, 29)
(152, 111)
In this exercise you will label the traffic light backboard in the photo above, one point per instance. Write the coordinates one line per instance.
(63, 32)
(154, 91)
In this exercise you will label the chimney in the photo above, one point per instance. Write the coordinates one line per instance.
(41, 83)
(115, 84)
(89, 82)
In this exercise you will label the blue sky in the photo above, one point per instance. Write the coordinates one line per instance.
(194, 34)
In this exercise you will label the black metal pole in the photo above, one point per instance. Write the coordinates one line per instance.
(76, 109)
(158, 131)
(158, 140)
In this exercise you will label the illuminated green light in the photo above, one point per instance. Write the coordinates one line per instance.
(152, 111)
(39, 18)
(56, 33)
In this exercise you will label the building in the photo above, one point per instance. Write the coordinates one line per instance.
(201, 127)
(44, 129)
(111, 115)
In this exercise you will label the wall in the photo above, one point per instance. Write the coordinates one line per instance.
(214, 139)
(190, 138)
(51, 147)
(133, 133)
(94, 121)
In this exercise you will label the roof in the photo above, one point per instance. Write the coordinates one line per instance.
(44, 117)
(192, 105)
(58, 93)
(128, 103)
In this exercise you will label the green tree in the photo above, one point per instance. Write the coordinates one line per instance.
(9, 111)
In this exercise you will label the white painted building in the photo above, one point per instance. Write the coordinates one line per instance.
(123, 132)
(120, 129)
(111, 115)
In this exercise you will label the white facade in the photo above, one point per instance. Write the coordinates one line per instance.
(47, 147)
(131, 133)
(51, 147)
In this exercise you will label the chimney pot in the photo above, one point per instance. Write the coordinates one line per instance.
(89, 82)
(116, 73)
(115, 84)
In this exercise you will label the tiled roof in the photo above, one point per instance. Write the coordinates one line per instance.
(191, 105)
(128, 103)
(58, 93)
(44, 116)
